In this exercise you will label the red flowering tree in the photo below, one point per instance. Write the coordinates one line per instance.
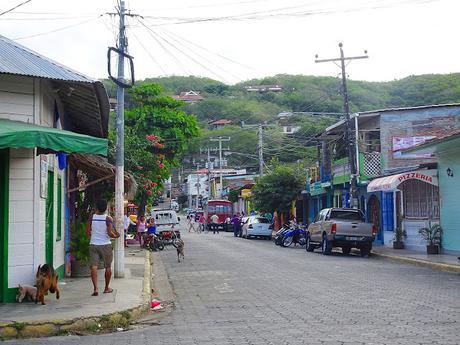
(157, 132)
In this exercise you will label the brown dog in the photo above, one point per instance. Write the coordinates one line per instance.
(26, 291)
(47, 280)
(179, 244)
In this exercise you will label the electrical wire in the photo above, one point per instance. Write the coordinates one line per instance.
(171, 36)
(15, 7)
(148, 53)
(181, 51)
(209, 51)
(152, 34)
(59, 29)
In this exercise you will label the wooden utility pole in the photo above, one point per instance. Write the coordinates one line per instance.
(346, 109)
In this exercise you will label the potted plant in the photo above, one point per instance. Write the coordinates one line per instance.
(432, 235)
(79, 250)
(399, 236)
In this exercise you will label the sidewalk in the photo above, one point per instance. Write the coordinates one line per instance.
(444, 262)
(77, 310)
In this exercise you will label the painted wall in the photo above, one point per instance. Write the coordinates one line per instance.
(16, 98)
(450, 199)
(21, 218)
(28, 100)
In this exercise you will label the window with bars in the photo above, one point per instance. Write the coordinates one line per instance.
(421, 199)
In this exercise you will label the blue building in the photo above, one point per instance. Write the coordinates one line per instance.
(394, 190)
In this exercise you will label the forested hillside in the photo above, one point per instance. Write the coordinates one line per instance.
(300, 94)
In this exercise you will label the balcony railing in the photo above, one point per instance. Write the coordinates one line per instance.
(369, 167)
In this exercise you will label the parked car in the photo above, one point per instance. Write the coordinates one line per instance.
(256, 226)
(340, 227)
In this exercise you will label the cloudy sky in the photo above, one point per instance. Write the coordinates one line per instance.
(235, 40)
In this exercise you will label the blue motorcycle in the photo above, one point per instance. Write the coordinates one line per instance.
(296, 235)
(279, 236)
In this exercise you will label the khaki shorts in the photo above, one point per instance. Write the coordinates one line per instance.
(98, 253)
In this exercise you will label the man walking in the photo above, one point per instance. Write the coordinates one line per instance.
(236, 225)
(215, 223)
(100, 227)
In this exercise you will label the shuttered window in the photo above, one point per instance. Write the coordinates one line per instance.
(421, 199)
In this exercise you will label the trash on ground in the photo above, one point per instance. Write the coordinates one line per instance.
(155, 303)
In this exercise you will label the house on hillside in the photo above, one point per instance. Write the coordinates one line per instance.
(394, 189)
(189, 96)
(215, 124)
(46, 111)
(264, 88)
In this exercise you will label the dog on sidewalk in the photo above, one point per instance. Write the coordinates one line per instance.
(179, 244)
(26, 291)
(46, 280)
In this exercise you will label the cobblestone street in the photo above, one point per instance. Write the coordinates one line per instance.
(236, 291)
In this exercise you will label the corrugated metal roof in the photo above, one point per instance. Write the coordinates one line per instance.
(19, 60)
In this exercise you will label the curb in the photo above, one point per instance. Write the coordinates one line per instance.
(84, 325)
(418, 262)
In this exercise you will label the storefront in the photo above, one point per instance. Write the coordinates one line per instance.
(408, 200)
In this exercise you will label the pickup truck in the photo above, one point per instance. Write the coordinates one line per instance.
(340, 227)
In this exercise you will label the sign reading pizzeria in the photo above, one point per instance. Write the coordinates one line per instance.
(391, 183)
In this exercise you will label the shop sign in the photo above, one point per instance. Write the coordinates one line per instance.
(246, 193)
(43, 176)
(404, 143)
(416, 176)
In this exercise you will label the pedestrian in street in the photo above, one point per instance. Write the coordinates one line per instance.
(100, 228)
(236, 225)
(191, 224)
(127, 222)
(141, 228)
(202, 222)
(215, 223)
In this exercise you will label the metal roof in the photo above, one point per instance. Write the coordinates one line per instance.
(85, 100)
(19, 60)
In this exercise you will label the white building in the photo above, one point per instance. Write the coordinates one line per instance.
(34, 93)
(197, 186)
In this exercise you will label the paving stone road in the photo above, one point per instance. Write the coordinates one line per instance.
(236, 291)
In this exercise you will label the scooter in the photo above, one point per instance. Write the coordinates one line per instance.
(295, 235)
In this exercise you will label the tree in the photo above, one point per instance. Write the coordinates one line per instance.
(276, 190)
(157, 133)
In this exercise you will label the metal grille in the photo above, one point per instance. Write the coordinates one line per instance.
(421, 200)
(372, 164)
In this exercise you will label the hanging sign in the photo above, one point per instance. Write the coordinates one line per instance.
(43, 176)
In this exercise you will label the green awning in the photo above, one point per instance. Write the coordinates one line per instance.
(16, 134)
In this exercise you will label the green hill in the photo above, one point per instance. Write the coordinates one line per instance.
(300, 94)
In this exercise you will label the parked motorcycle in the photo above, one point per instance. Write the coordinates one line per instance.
(153, 242)
(279, 236)
(295, 234)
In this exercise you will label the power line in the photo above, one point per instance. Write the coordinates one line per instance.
(152, 34)
(59, 29)
(182, 52)
(148, 53)
(171, 36)
(15, 7)
(209, 51)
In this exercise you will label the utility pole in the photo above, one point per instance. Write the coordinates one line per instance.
(346, 109)
(220, 139)
(119, 262)
(198, 185)
(119, 80)
(260, 149)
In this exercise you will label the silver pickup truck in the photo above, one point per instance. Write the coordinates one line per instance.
(340, 227)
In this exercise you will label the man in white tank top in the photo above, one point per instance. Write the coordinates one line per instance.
(100, 248)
